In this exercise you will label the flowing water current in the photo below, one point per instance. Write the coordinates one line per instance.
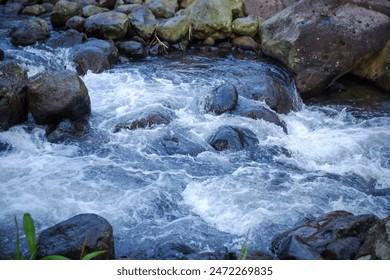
(167, 205)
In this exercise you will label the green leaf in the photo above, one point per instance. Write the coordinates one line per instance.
(55, 258)
(29, 230)
(93, 255)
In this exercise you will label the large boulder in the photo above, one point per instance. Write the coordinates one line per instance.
(263, 8)
(95, 55)
(64, 10)
(13, 88)
(174, 29)
(30, 32)
(143, 22)
(108, 25)
(212, 18)
(335, 235)
(84, 233)
(377, 244)
(376, 68)
(232, 138)
(320, 41)
(56, 96)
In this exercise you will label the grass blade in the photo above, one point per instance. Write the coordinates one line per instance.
(93, 255)
(29, 230)
(55, 258)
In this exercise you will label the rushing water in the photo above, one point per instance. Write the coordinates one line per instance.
(163, 205)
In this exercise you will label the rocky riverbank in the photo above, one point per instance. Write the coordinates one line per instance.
(318, 42)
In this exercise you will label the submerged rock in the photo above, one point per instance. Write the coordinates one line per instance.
(95, 55)
(146, 120)
(176, 144)
(85, 233)
(56, 96)
(13, 89)
(64, 10)
(232, 138)
(319, 41)
(108, 25)
(30, 32)
(334, 236)
(377, 244)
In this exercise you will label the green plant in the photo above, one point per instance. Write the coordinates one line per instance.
(244, 248)
(29, 231)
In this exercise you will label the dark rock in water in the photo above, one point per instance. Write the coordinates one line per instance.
(149, 119)
(232, 138)
(294, 248)
(273, 92)
(30, 32)
(143, 22)
(56, 96)
(65, 39)
(176, 143)
(259, 111)
(2, 55)
(377, 244)
(223, 99)
(108, 25)
(320, 41)
(67, 131)
(132, 49)
(64, 10)
(172, 251)
(76, 23)
(336, 235)
(4, 146)
(257, 255)
(69, 237)
(13, 88)
(12, 9)
(95, 55)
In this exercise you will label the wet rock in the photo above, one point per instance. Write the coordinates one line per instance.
(245, 43)
(274, 91)
(147, 120)
(132, 49)
(95, 55)
(172, 251)
(34, 10)
(91, 10)
(13, 88)
(174, 29)
(320, 41)
(162, 8)
(223, 99)
(336, 235)
(248, 26)
(108, 26)
(176, 144)
(126, 9)
(48, 7)
(56, 96)
(377, 244)
(261, 112)
(30, 32)
(211, 19)
(186, 3)
(65, 39)
(12, 9)
(68, 238)
(63, 11)
(263, 8)
(76, 23)
(376, 68)
(232, 138)
(143, 22)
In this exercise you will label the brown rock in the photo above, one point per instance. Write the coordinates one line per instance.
(263, 8)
